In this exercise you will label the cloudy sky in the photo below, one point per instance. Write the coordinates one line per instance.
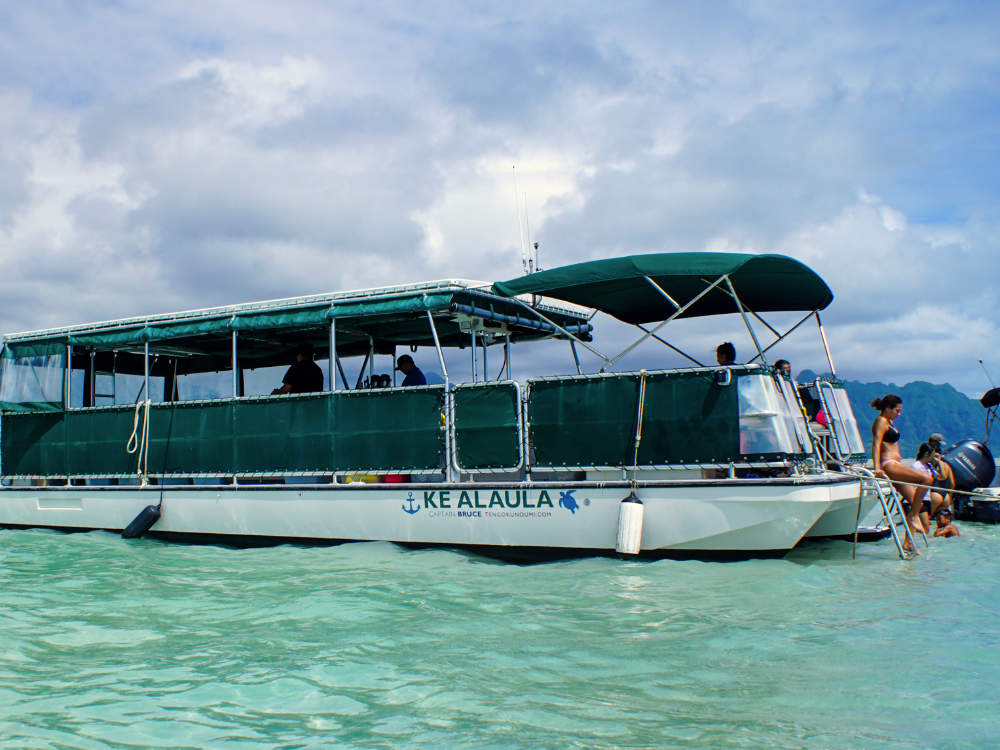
(170, 155)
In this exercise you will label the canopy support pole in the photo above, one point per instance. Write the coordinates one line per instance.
(826, 345)
(658, 288)
(783, 336)
(769, 326)
(449, 470)
(437, 345)
(678, 312)
(486, 369)
(506, 354)
(576, 357)
(371, 359)
(668, 344)
(333, 355)
(68, 377)
(581, 342)
(92, 377)
(361, 372)
(343, 375)
(746, 321)
(236, 367)
(473, 352)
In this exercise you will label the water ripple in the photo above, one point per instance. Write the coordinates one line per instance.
(105, 643)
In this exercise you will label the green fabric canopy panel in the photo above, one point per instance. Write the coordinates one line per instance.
(397, 429)
(591, 422)
(582, 421)
(688, 419)
(393, 429)
(33, 444)
(487, 422)
(618, 287)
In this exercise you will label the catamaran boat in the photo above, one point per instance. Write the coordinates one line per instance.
(703, 460)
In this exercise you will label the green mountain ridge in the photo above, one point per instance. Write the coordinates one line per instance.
(927, 408)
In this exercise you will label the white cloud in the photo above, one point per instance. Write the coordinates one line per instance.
(158, 158)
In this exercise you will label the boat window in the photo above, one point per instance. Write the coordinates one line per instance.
(766, 425)
(200, 386)
(844, 423)
(794, 413)
(36, 381)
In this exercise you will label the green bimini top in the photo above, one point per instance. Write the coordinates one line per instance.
(621, 286)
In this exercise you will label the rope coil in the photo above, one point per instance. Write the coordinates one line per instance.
(139, 442)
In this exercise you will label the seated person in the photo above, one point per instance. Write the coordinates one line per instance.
(413, 374)
(725, 353)
(944, 525)
(944, 477)
(933, 501)
(304, 376)
(810, 402)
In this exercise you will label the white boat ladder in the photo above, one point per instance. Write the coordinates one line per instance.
(892, 511)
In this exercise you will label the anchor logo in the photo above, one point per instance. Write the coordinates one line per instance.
(567, 501)
(411, 510)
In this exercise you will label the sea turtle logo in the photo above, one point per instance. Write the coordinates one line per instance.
(567, 501)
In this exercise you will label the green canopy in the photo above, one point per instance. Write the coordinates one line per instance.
(269, 331)
(619, 287)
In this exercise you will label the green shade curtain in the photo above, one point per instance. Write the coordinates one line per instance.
(687, 419)
(375, 306)
(583, 421)
(294, 434)
(36, 348)
(284, 319)
(393, 429)
(398, 428)
(487, 421)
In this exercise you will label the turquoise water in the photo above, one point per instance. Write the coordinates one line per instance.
(107, 643)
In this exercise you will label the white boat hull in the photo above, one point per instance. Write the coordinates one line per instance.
(713, 516)
(842, 517)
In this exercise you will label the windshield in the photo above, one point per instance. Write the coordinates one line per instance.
(843, 423)
(770, 419)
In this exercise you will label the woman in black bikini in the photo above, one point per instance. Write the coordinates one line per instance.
(889, 461)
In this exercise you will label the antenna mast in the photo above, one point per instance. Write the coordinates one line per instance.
(525, 261)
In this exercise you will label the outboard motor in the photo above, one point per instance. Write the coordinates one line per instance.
(972, 463)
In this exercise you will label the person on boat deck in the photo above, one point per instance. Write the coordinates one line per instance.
(944, 525)
(412, 373)
(725, 353)
(783, 365)
(927, 461)
(304, 376)
(889, 461)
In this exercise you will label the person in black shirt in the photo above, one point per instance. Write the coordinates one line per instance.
(304, 376)
(725, 353)
(414, 375)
